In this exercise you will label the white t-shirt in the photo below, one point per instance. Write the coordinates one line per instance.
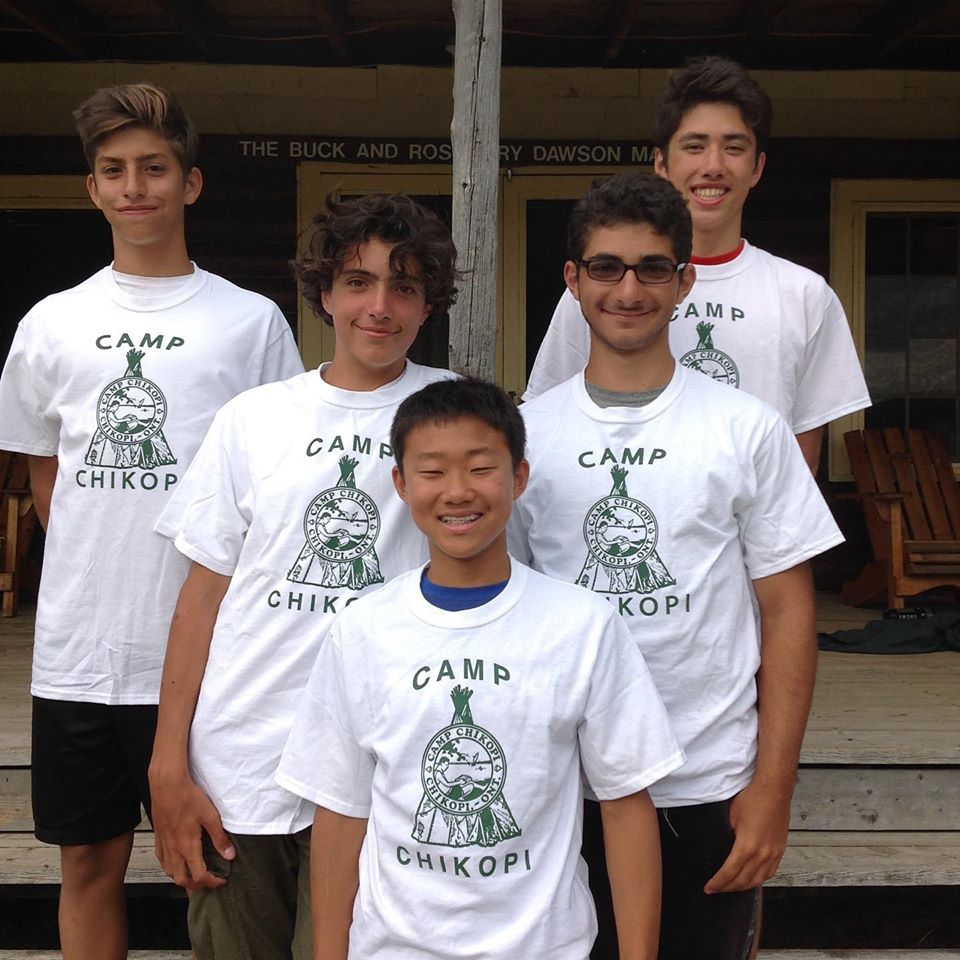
(768, 326)
(462, 737)
(669, 511)
(121, 384)
(291, 496)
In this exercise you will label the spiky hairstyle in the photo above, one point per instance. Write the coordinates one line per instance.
(112, 109)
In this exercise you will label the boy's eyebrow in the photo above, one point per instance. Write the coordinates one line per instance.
(104, 158)
(693, 137)
(396, 275)
(440, 454)
(646, 258)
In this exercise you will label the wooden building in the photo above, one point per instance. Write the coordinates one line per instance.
(297, 98)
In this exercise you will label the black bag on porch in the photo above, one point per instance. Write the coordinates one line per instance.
(934, 633)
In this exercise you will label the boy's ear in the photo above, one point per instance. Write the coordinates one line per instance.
(758, 169)
(571, 278)
(399, 484)
(687, 279)
(520, 477)
(192, 186)
(660, 163)
(92, 190)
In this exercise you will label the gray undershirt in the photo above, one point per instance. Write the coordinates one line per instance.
(613, 398)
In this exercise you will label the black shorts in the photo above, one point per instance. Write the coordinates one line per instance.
(89, 769)
(694, 842)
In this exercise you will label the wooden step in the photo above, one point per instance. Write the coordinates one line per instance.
(813, 859)
(826, 798)
(846, 954)
(764, 955)
(132, 955)
(876, 798)
(865, 859)
(24, 860)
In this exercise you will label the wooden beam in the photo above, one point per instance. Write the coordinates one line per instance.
(755, 20)
(475, 135)
(60, 22)
(332, 20)
(895, 21)
(199, 23)
(624, 15)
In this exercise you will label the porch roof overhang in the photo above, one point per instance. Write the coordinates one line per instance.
(762, 34)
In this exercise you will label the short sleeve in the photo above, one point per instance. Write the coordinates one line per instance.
(211, 509)
(28, 425)
(831, 383)
(786, 520)
(323, 760)
(626, 741)
(565, 348)
(281, 359)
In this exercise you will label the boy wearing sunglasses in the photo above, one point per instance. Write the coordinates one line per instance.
(678, 501)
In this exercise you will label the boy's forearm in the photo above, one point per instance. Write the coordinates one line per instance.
(334, 879)
(631, 838)
(760, 813)
(788, 667)
(188, 647)
(43, 476)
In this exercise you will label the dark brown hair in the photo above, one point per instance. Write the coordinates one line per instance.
(713, 80)
(112, 109)
(631, 198)
(417, 234)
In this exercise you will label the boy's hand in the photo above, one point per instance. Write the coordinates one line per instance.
(181, 811)
(760, 817)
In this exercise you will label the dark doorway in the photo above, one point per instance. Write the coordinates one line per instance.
(46, 251)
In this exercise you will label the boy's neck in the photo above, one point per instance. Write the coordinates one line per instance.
(149, 261)
(629, 373)
(344, 375)
(483, 571)
(717, 243)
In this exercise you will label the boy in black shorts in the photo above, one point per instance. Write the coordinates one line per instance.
(109, 388)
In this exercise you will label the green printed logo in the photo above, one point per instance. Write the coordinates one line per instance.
(340, 527)
(130, 415)
(707, 359)
(463, 772)
(621, 536)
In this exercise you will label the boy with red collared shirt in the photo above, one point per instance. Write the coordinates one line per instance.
(754, 321)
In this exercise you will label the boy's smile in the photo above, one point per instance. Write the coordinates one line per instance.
(460, 483)
(141, 189)
(377, 314)
(712, 160)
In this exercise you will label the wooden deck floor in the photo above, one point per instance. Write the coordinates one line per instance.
(866, 709)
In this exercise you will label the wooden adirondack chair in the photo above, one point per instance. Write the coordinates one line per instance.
(911, 503)
(17, 519)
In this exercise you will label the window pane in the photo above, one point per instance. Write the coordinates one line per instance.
(912, 313)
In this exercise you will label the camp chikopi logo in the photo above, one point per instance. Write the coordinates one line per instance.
(463, 772)
(131, 412)
(340, 528)
(621, 536)
(707, 359)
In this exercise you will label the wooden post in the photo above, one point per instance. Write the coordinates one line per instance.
(475, 135)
